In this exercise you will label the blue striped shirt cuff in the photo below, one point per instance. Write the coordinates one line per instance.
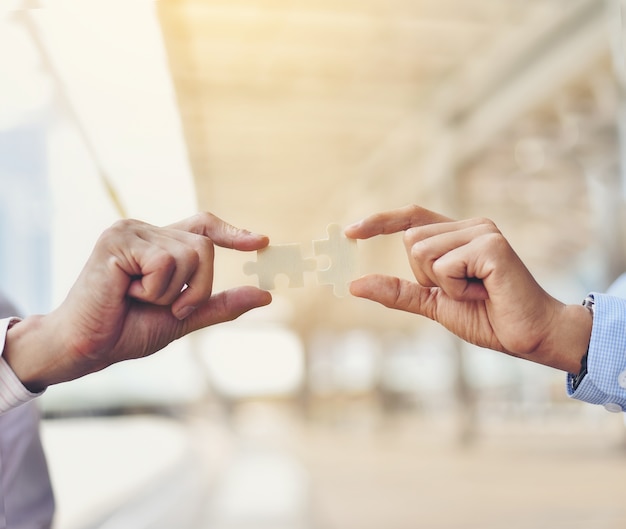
(606, 358)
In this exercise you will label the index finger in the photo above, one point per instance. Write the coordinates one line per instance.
(222, 233)
(393, 221)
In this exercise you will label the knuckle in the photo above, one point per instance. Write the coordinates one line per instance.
(413, 235)
(190, 255)
(487, 224)
(203, 247)
(495, 241)
(121, 229)
(440, 274)
(203, 223)
(165, 261)
(408, 237)
(116, 229)
(397, 296)
(413, 209)
(205, 217)
(420, 251)
(125, 225)
(413, 214)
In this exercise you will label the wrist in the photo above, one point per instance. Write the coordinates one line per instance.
(30, 353)
(569, 338)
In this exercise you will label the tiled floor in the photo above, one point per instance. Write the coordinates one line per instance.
(268, 469)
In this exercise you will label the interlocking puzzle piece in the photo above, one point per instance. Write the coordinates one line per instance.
(343, 260)
(280, 259)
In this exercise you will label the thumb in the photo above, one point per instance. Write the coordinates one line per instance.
(226, 306)
(396, 293)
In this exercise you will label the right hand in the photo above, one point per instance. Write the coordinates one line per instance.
(470, 280)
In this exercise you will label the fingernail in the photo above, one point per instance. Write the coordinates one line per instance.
(183, 312)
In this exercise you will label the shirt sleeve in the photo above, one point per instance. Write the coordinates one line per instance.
(605, 382)
(12, 391)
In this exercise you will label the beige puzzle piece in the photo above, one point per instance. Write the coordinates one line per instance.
(280, 259)
(286, 259)
(343, 260)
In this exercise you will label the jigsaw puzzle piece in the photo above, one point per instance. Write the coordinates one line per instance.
(343, 256)
(280, 259)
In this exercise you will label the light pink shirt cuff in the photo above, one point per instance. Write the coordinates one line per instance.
(12, 391)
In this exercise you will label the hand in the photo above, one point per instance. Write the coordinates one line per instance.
(141, 288)
(471, 281)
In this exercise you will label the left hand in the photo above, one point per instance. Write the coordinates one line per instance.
(141, 288)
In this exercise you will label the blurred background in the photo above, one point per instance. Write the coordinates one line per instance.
(283, 116)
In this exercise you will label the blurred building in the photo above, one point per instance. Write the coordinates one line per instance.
(296, 114)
